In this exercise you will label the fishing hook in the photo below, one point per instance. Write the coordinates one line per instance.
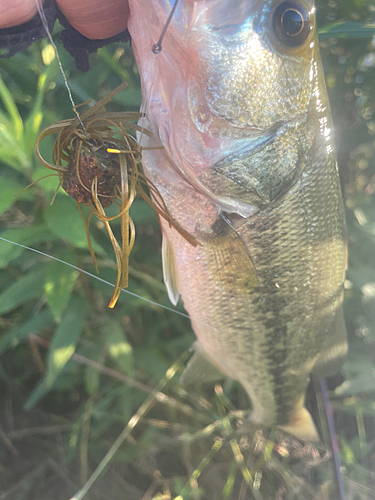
(157, 48)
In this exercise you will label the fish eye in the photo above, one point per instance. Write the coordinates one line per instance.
(292, 23)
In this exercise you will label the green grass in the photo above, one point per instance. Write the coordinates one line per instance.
(77, 380)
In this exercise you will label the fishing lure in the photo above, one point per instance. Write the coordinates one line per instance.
(99, 163)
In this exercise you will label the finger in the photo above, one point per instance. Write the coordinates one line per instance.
(96, 19)
(15, 12)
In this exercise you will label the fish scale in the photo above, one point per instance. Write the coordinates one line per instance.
(248, 168)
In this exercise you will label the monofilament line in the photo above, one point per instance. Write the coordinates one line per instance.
(166, 308)
(42, 15)
(157, 48)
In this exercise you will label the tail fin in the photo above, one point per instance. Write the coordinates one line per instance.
(302, 426)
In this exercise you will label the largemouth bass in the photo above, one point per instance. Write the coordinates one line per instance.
(237, 99)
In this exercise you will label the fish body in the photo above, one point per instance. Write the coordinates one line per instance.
(238, 101)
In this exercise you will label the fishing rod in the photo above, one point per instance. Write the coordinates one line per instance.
(329, 431)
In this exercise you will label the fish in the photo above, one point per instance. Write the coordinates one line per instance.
(236, 100)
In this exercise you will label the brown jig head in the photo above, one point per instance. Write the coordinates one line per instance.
(99, 169)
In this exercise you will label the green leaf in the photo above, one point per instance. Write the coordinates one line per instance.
(11, 151)
(118, 346)
(59, 284)
(42, 320)
(360, 3)
(95, 352)
(47, 181)
(70, 376)
(91, 379)
(9, 191)
(152, 361)
(359, 370)
(11, 107)
(130, 97)
(142, 213)
(34, 120)
(343, 29)
(18, 69)
(65, 339)
(360, 448)
(354, 404)
(21, 291)
(40, 390)
(363, 383)
(64, 220)
(24, 236)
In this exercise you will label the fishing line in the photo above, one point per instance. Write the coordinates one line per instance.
(157, 48)
(149, 301)
(45, 25)
(42, 16)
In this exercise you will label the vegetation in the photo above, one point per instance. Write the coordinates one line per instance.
(73, 372)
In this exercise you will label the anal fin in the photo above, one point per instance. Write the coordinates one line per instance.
(301, 423)
(200, 368)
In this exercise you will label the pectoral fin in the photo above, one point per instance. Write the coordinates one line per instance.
(229, 258)
(200, 368)
(170, 271)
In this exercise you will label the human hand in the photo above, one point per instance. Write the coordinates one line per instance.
(95, 19)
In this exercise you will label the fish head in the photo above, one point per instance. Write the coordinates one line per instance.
(243, 71)
(236, 93)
